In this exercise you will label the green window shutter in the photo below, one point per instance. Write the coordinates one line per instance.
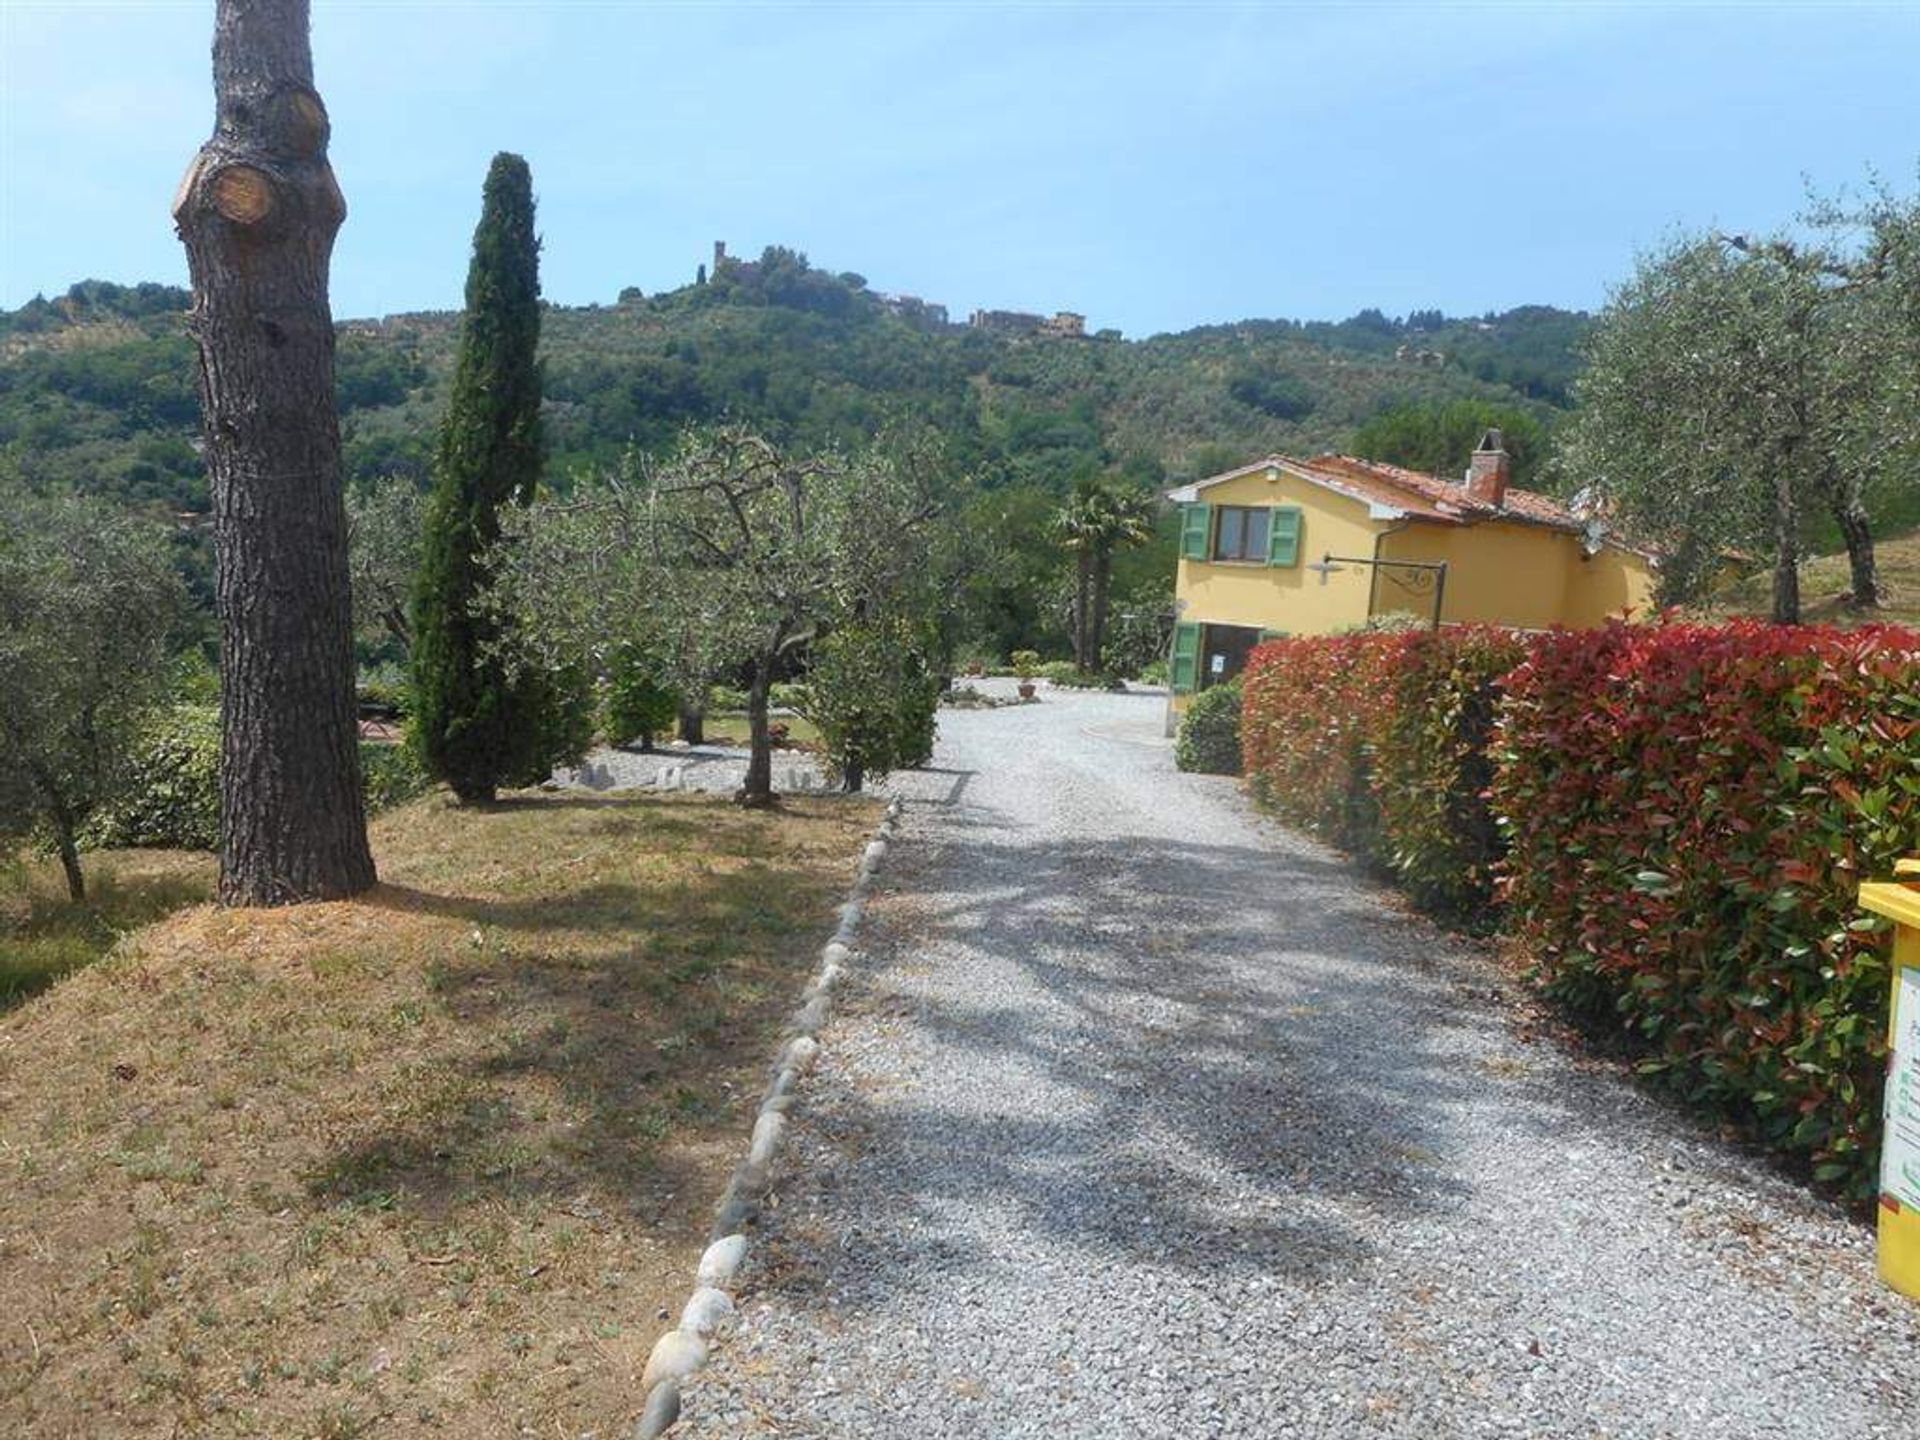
(1196, 529)
(1185, 670)
(1283, 540)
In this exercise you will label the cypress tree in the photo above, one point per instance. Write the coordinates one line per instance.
(475, 728)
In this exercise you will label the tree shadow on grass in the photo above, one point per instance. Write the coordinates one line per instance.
(583, 1036)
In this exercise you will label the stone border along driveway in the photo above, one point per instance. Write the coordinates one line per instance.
(682, 1350)
(1143, 1117)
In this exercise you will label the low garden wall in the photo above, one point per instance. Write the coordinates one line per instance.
(1672, 820)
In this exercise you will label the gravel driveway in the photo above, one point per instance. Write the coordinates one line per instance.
(1144, 1118)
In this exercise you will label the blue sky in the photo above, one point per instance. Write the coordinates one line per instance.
(1154, 167)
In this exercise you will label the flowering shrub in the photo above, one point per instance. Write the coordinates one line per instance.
(1378, 742)
(1688, 812)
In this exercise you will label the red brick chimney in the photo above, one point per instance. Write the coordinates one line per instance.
(1492, 468)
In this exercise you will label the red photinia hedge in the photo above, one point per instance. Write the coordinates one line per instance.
(1378, 742)
(1689, 811)
(1679, 817)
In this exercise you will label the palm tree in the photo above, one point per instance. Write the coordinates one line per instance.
(1097, 519)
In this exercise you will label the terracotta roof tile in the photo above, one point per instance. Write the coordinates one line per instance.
(1448, 496)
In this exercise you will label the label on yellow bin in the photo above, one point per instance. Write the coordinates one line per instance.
(1900, 1147)
(1899, 1210)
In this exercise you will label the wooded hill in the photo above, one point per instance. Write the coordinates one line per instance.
(97, 387)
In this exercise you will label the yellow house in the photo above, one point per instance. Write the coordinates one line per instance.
(1308, 547)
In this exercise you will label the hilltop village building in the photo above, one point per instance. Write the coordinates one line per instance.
(1308, 547)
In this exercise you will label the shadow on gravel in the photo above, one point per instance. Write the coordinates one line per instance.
(1229, 1063)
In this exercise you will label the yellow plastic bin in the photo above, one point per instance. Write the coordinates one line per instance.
(1899, 1210)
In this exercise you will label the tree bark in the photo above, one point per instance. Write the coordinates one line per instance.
(258, 211)
(1082, 605)
(1850, 513)
(853, 777)
(693, 724)
(756, 791)
(70, 859)
(1097, 612)
(1786, 539)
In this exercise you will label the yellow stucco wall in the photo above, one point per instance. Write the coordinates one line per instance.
(1612, 582)
(1498, 572)
(1288, 598)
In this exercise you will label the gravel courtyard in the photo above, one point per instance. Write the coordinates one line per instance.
(1143, 1118)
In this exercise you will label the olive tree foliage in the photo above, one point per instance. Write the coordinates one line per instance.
(872, 693)
(1733, 386)
(728, 557)
(89, 603)
(384, 522)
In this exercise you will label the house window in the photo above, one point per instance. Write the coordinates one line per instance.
(1242, 533)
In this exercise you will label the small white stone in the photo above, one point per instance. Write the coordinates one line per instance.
(721, 1259)
(662, 1409)
(801, 1050)
(829, 977)
(707, 1310)
(768, 1131)
(876, 852)
(676, 1355)
(811, 1016)
(836, 953)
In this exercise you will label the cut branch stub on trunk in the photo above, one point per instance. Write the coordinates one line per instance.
(257, 212)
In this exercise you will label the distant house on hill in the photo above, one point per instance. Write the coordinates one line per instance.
(1064, 325)
(1309, 547)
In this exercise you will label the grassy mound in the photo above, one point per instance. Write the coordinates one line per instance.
(430, 1161)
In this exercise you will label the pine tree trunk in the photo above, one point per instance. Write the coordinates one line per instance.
(853, 777)
(258, 211)
(693, 724)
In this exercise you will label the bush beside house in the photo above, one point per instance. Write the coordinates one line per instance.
(1672, 820)
(1209, 740)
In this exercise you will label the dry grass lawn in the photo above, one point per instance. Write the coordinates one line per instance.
(428, 1162)
(1825, 584)
(43, 936)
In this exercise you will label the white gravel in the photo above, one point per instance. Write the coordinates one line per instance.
(1140, 1117)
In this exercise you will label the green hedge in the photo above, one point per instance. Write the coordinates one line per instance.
(1689, 812)
(1377, 741)
(173, 799)
(1209, 739)
(1671, 820)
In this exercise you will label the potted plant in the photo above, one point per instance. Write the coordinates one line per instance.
(1025, 662)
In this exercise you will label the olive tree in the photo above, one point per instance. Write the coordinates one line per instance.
(384, 520)
(1734, 384)
(88, 607)
(728, 557)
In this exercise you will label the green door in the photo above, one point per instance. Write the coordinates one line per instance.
(1184, 674)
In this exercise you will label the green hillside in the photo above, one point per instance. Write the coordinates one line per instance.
(97, 387)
